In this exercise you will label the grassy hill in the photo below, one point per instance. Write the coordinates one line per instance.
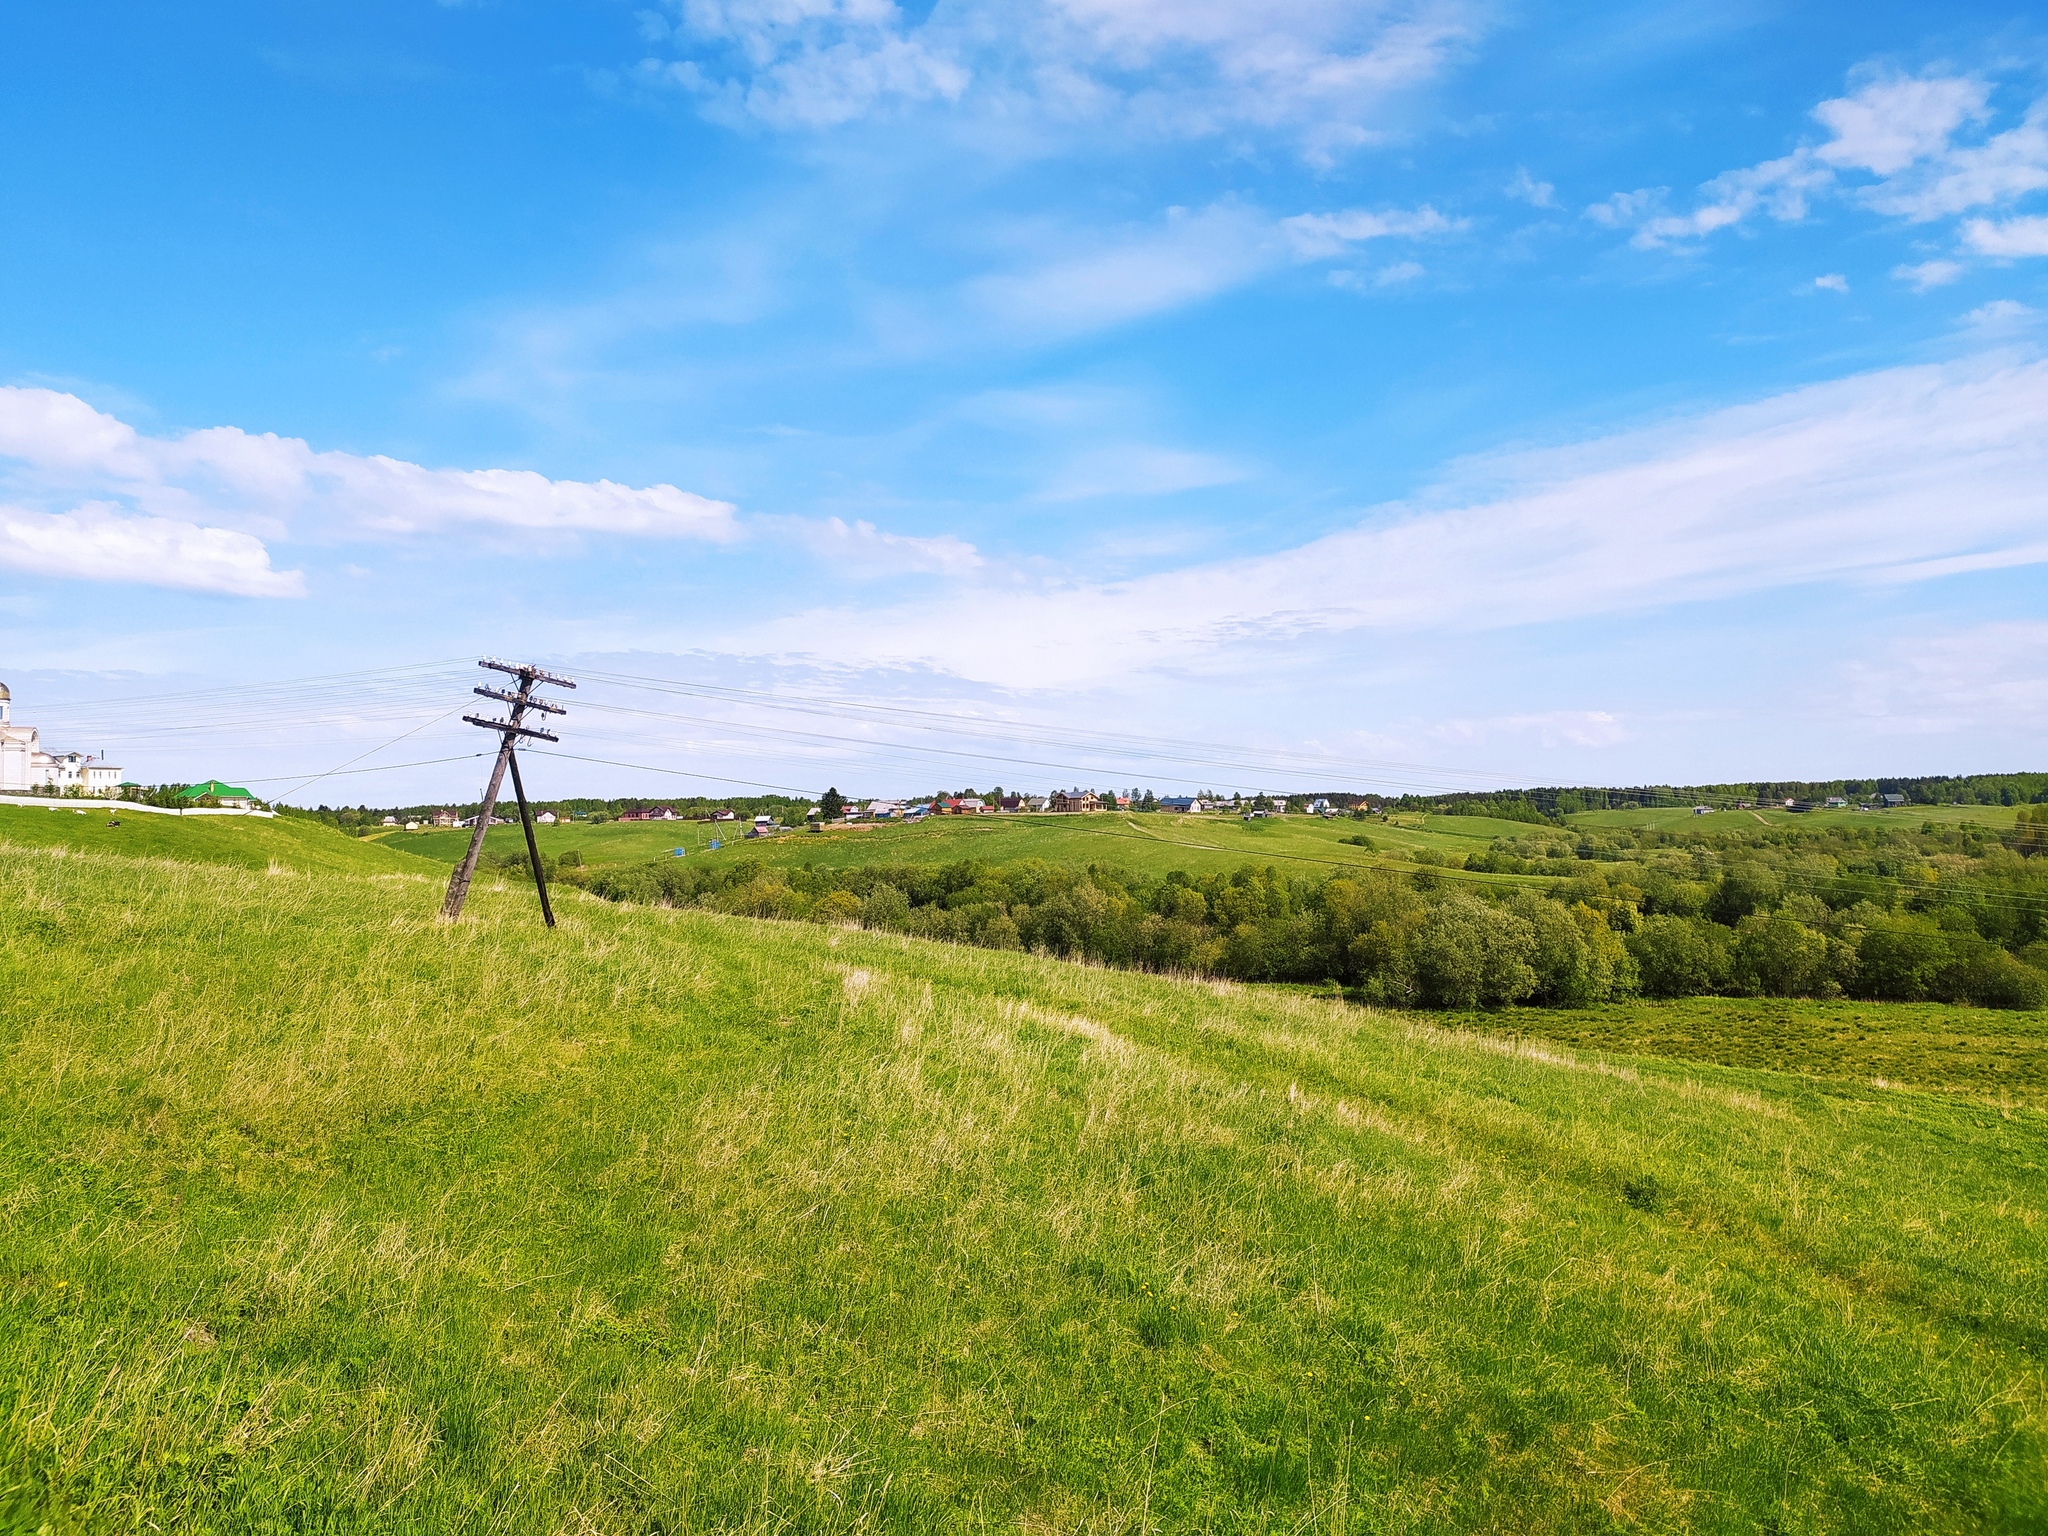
(246, 842)
(316, 1214)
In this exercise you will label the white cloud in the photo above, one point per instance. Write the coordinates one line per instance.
(1955, 179)
(809, 63)
(55, 447)
(1928, 274)
(1317, 235)
(1527, 189)
(2014, 237)
(1626, 208)
(1901, 130)
(96, 542)
(1833, 282)
(1324, 71)
(1904, 475)
(1897, 120)
(1777, 187)
(1999, 314)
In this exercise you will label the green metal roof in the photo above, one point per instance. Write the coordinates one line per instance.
(216, 789)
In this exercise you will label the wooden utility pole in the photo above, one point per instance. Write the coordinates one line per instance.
(510, 730)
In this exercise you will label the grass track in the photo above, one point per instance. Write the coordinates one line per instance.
(315, 1214)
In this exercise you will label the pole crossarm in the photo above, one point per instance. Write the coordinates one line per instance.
(514, 698)
(520, 669)
(510, 729)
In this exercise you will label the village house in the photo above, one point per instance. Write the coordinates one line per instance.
(545, 819)
(26, 767)
(1010, 803)
(444, 818)
(1183, 804)
(1067, 800)
(221, 794)
(663, 813)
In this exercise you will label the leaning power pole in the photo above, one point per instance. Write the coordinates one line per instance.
(510, 730)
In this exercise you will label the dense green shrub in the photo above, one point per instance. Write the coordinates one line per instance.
(1677, 956)
(1775, 921)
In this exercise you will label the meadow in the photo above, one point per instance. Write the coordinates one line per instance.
(318, 1214)
(1151, 843)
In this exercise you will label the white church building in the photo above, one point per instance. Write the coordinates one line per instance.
(25, 767)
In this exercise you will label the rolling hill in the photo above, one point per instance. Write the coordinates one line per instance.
(319, 1214)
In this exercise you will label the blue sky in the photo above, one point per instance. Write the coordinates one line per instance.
(1505, 393)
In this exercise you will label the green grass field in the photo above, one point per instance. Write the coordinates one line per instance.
(1152, 844)
(317, 1214)
(246, 842)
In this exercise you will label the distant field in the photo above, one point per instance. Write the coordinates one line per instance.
(319, 1214)
(1681, 818)
(1151, 843)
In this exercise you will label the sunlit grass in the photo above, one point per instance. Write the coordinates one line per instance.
(316, 1213)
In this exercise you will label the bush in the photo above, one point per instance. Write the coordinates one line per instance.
(1780, 956)
(1899, 960)
(1674, 956)
(836, 907)
(1995, 979)
(1472, 955)
(885, 907)
(1577, 958)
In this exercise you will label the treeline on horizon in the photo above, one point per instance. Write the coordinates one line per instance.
(1534, 805)
(1543, 805)
(1949, 915)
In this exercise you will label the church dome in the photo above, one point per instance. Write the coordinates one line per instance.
(4, 694)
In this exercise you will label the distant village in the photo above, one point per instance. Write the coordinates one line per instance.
(832, 808)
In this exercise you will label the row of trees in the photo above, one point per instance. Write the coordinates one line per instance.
(1396, 940)
(1932, 789)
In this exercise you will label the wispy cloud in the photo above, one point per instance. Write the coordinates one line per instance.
(859, 548)
(1899, 476)
(1937, 684)
(1322, 71)
(1903, 132)
(1924, 275)
(1191, 255)
(1140, 469)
